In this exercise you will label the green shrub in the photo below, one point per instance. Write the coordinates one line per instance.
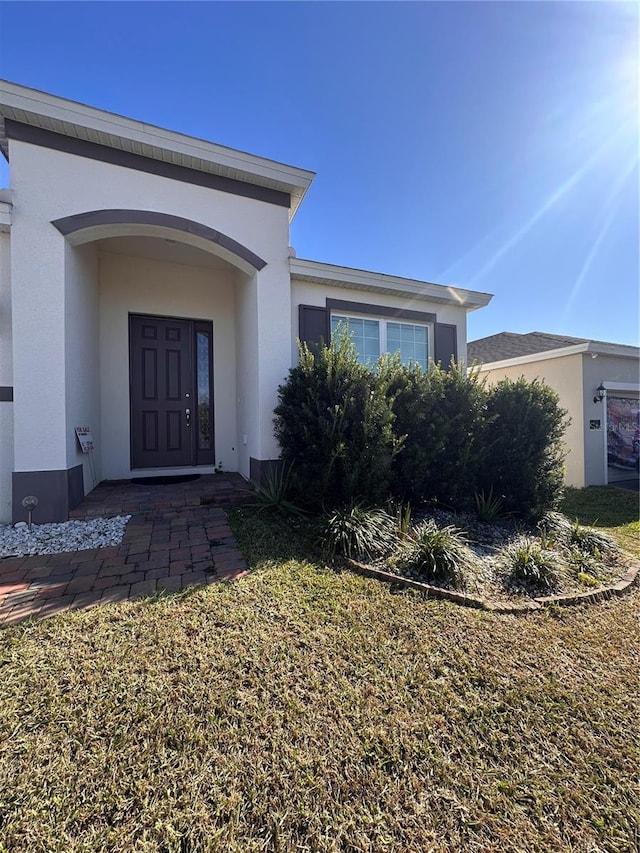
(334, 425)
(525, 561)
(437, 555)
(439, 414)
(523, 446)
(358, 533)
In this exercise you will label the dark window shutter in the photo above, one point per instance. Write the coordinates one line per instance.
(445, 344)
(313, 325)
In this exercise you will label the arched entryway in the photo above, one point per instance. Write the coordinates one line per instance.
(160, 304)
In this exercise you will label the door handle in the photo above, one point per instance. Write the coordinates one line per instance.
(188, 415)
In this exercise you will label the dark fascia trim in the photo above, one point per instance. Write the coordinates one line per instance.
(95, 151)
(79, 221)
(6, 394)
(380, 311)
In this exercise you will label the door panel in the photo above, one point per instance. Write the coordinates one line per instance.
(161, 392)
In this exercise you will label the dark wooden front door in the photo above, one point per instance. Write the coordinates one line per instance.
(165, 407)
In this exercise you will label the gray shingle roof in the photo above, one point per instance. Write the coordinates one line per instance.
(512, 345)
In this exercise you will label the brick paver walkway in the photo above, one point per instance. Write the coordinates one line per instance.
(178, 535)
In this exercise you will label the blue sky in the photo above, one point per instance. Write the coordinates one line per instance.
(488, 145)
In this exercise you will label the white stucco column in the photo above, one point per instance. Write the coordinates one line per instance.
(38, 285)
(38, 317)
(274, 352)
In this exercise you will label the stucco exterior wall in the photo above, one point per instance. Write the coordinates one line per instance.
(309, 293)
(611, 370)
(49, 185)
(564, 375)
(6, 379)
(145, 286)
(246, 319)
(82, 357)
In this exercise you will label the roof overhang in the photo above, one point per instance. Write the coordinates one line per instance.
(71, 119)
(589, 348)
(373, 282)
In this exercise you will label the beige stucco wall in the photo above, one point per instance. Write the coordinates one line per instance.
(6, 379)
(309, 293)
(144, 286)
(575, 378)
(564, 375)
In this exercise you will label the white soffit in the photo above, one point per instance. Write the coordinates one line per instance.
(347, 277)
(70, 118)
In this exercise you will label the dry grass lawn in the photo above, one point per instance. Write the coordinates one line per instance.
(303, 710)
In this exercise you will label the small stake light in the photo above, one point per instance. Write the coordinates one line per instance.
(600, 392)
(30, 503)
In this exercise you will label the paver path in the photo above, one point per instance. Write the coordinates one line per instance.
(178, 535)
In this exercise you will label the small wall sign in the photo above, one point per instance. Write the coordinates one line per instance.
(85, 438)
(594, 424)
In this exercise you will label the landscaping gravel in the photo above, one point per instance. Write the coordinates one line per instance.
(19, 541)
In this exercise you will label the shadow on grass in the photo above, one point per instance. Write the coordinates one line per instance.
(604, 506)
(265, 535)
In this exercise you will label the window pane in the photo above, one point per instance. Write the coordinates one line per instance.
(365, 335)
(204, 396)
(409, 341)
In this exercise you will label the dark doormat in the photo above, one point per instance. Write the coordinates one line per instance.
(165, 480)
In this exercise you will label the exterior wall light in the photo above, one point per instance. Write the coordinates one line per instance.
(600, 393)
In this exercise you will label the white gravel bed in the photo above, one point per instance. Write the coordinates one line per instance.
(19, 541)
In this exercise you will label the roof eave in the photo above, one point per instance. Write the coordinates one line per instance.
(348, 277)
(49, 112)
(591, 348)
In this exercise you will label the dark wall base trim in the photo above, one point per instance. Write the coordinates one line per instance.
(259, 468)
(117, 157)
(6, 394)
(57, 493)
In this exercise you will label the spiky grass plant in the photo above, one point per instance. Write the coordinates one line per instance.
(554, 530)
(273, 490)
(489, 507)
(594, 542)
(527, 562)
(437, 555)
(357, 533)
(401, 513)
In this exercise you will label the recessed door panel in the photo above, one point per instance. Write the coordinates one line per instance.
(161, 388)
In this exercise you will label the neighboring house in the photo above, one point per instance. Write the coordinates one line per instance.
(599, 386)
(148, 292)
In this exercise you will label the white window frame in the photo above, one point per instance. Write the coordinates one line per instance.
(382, 321)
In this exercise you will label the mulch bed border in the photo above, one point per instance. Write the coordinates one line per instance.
(629, 579)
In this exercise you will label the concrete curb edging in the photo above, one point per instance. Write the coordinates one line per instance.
(629, 579)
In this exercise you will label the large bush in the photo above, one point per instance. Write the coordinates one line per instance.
(351, 433)
(334, 426)
(441, 414)
(523, 446)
